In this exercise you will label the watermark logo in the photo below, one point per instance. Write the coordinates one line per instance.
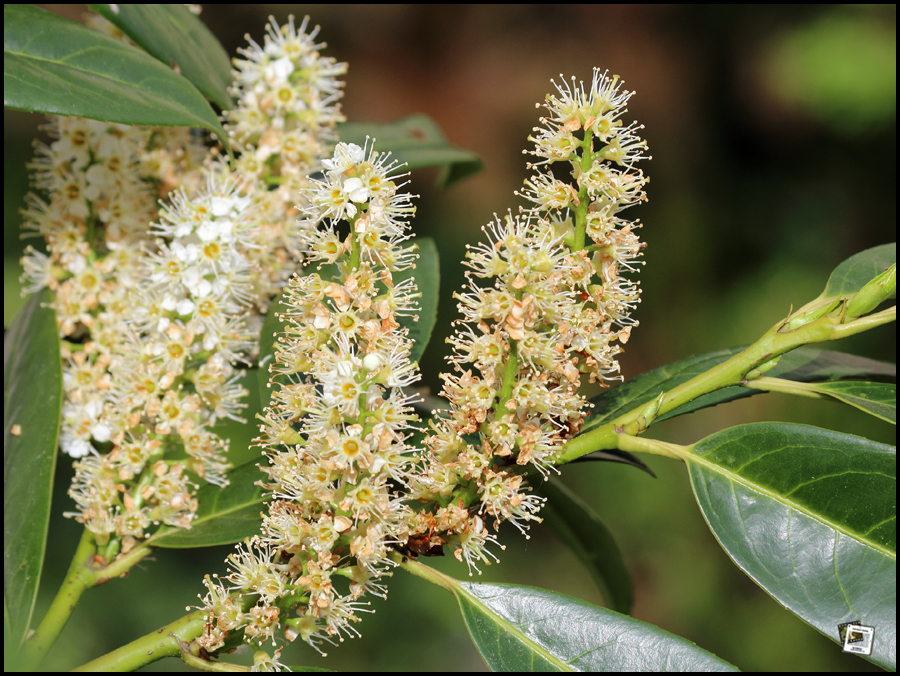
(856, 637)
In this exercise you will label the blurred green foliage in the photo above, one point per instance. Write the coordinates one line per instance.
(840, 67)
(773, 133)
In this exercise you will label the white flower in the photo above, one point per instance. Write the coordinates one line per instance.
(185, 307)
(169, 302)
(221, 206)
(208, 231)
(277, 72)
(100, 432)
(355, 190)
(371, 362)
(346, 155)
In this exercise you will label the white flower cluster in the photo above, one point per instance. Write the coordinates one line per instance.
(156, 317)
(544, 304)
(585, 130)
(335, 432)
(100, 200)
(284, 124)
(169, 373)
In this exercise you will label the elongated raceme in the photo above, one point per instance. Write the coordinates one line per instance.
(284, 124)
(158, 305)
(545, 305)
(335, 432)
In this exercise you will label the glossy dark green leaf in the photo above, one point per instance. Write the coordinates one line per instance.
(272, 328)
(53, 65)
(240, 435)
(224, 516)
(428, 278)
(810, 516)
(879, 399)
(855, 272)
(527, 629)
(581, 530)
(417, 141)
(178, 38)
(32, 401)
(805, 364)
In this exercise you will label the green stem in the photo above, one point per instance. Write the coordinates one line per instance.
(506, 385)
(785, 386)
(208, 665)
(122, 564)
(146, 479)
(424, 572)
(82, 575)
(78, 579)
(865, 323)
(509, 379)
(354, 243)
(587, 159)
(172, 639)
(774, 342)
(626, 442)
(91, 222)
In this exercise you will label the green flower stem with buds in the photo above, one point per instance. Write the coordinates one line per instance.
(174, 639)
(776, 341)
(506, 387)
(587, 159)
(83, 574)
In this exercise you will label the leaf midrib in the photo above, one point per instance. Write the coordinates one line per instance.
(515, 631)
(736, 478)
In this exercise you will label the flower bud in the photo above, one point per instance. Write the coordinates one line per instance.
(874, 293)
(755, 373)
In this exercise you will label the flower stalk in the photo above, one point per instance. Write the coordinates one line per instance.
(85, 571)
(539, 313)
(173, 639)
(335, 432)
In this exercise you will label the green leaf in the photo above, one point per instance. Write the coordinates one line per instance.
(224, 516)
(178, 38)
(810, 516)
(240, 435)
(519, 628)
(428, 278)
(419, 142)
(53, 65)
(855, 272)
(581, 530)
(32, 401)
(879, 399)
(805, 364)
(268, 336)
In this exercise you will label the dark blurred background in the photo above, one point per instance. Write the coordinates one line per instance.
(773, 133)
